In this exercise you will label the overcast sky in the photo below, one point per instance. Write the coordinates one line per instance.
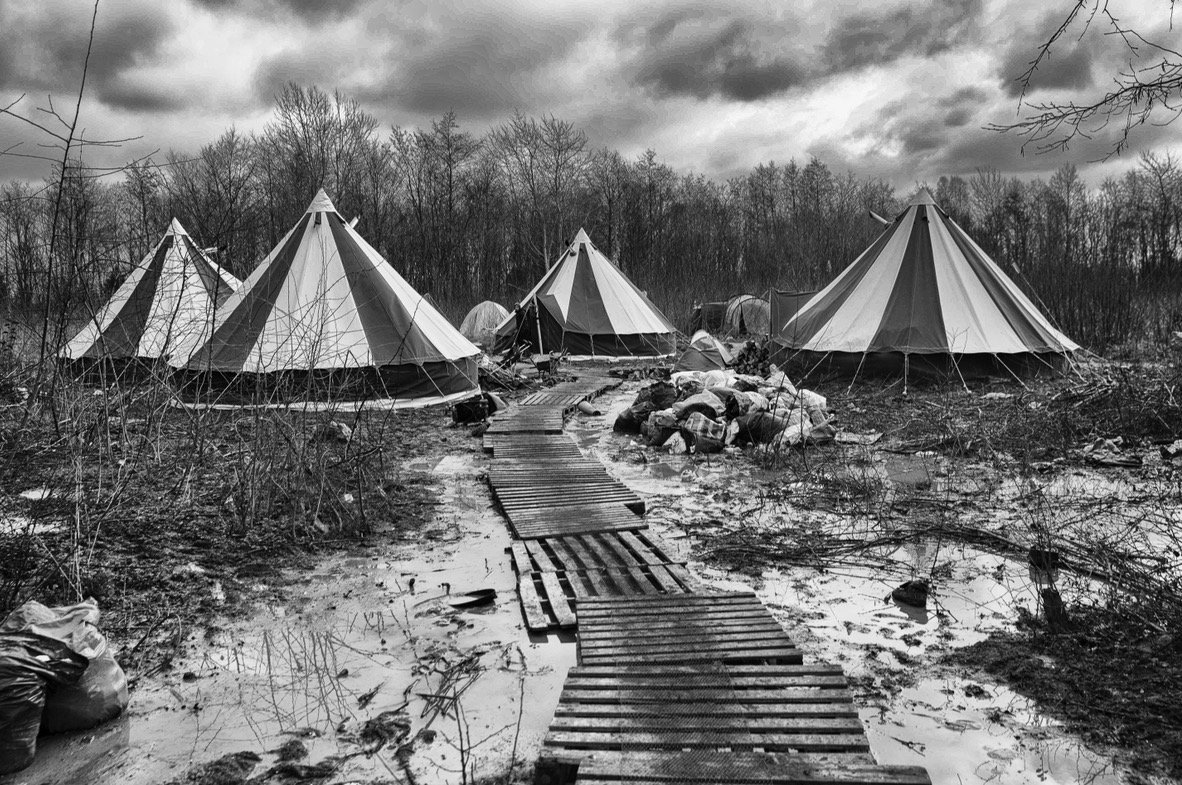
(899, 90)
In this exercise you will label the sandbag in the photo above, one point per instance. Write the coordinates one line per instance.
(778, 380)
(659, 427)
(29, 664)
(760, 427)
(747, 383)
(703, 433)
(101, 693)
(632, 419)
(660, 394)
(716, 379)
(706, 403)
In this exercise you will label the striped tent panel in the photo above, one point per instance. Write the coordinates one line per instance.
(923, 287)
(324, 299)
(168, 301)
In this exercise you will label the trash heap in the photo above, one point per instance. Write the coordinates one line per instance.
(709, 411)
(57, 674)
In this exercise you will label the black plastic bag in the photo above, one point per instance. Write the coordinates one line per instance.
(28, 665)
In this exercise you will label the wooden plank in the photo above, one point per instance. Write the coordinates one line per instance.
(563, 614)
(531, 604)
(783, 697)
(643, 636)
(674, 680)
(596, 577)
(690, 640)
(643, 581)
(693, 723)
(581, 553)
(664, 578)
(735, 739)
(758, 768)
(642, 671)
(718, 653)
(522, 564)
(721, 709)
(541, 556)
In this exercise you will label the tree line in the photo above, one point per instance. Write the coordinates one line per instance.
(468, 217)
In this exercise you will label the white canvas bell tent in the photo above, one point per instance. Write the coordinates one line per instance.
(168, 301)
(586, 306)
(325, 306)
(924, 292)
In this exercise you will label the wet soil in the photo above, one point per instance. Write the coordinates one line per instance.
(931, 694)
(373, 661)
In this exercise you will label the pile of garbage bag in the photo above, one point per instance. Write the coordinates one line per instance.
(57, 674)
(707, 411)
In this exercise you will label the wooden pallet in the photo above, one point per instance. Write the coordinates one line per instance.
(554, 573)
(533, 419)
(611, 717)
(554, 397)
(675, 629)
(646, 767)
(531, 523)
(534, 446)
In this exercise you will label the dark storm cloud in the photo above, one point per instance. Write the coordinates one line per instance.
(481, 65)
(877, 38)
(704, 55)
(44, 50)
(306, 10)
(1070, 62)
(1068, 65)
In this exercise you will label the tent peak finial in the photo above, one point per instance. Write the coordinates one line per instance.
(582, 236)
(176, 228)
(923, 196)
(321, 203)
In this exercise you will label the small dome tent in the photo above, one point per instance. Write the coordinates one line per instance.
(480, 325)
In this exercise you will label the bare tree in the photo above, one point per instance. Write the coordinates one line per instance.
(1148, 90)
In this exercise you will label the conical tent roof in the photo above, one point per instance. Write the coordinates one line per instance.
(923, 287)
(480, 325)
(587, 306)
(324, 299)
(169, 299)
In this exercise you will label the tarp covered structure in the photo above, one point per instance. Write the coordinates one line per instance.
(925, 290)
(480, 325)
(586, 306)
(784, 305)
(325, 305)
(704, 353)
(747, 314)
(169, 299)
(709, 316)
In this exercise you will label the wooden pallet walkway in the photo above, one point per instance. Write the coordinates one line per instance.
(755, 768)
(554, 573)
(702, 688)
(675, 683)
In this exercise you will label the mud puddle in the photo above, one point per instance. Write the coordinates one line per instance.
(916, 710)
(385, 649)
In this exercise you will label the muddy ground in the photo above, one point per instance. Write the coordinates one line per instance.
(325, 643)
